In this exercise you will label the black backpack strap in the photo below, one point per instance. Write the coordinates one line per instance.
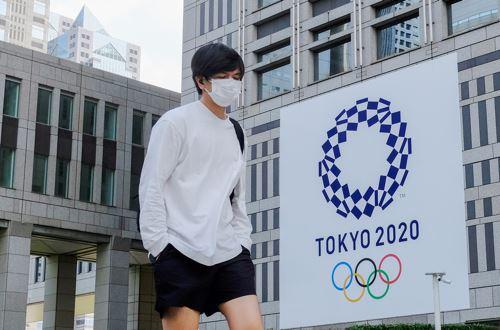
(241, 140)
(239, 133)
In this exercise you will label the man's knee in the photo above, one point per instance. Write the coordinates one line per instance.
(180, 318)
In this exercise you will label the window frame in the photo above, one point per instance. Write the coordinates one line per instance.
(12, 166)
(49, 110)
(18, 96)
(94, 115)
(448, 26)
(45, 169)
(107, 108)
(142, 114)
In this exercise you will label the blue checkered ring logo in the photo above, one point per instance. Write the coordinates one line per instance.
(352, 201)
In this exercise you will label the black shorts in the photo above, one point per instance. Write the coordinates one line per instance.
(181, 281)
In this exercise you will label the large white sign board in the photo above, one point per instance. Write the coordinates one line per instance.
(372, 198)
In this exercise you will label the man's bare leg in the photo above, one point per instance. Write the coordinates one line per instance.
(242, 313)
(180, 318)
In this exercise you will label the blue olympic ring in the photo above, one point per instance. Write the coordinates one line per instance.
(333, 273)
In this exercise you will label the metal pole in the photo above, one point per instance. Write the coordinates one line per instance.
(243, 29)
(360, 22)
(298, 43)
(436, 278)
(294, 72)
(355, 31)
(424, 4)
(431, 32)
(437, 302)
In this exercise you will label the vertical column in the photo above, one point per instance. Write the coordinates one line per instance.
(60, 286)
(111, 285)
(141, 312)
(148, 317)
(15, 244)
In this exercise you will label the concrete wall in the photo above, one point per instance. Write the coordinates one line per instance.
(479, 65)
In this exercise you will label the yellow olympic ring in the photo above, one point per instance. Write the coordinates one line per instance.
(356, 275)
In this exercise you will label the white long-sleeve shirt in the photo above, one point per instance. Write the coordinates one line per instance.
(192, 164)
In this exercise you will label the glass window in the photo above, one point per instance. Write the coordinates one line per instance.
(39, 183)
(275, 81)
(134, 191)
(86, 182)
(471, 210)
(394, 6)
(110, 122)
(6, 167)
(155, 118)
(44, 105)
(11, 98)
(333, 60)
(3, 7)
(274, 25)
(89, 113)
(332, 29)
(39, 7)
(107, 186)
(387, 41)
(275, 53)
(322, 6)
(202, 18)
(137, 127)
(263, 3)
(2, 34)
(39, 270)
(80, 267)
(467, 14)
(62, 178)
(37, 32)
(65, 111)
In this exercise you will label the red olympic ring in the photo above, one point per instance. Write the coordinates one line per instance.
(400, 268)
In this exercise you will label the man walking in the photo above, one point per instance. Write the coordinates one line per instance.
(193, 216)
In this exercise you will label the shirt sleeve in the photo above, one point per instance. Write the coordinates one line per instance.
(240, 222)
(161, 159)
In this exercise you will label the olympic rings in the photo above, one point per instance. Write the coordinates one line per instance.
(356, 275)
(360, 280)
(400, 268)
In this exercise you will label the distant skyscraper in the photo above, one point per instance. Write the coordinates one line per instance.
(86, 41)
(58, 24)
(25, 23)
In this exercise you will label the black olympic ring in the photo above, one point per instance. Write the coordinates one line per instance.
(356, 271)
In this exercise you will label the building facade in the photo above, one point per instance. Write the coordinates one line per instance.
(58, 25)
(297, 49)
(87, 42)
(72, 143)
(25, 23)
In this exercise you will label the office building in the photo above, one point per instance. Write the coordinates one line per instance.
(25, 23)
(88, 43)
(72, 143)
(297, 49)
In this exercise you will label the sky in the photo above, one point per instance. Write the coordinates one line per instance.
(155, 25)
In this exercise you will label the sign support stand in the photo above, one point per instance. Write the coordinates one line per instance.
(436, 278)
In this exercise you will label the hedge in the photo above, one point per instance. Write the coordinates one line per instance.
(423, 327)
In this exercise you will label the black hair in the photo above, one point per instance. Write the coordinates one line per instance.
(215, 58)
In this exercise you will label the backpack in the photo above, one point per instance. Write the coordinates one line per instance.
(239, 134)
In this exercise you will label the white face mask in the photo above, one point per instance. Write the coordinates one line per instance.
(224, 91)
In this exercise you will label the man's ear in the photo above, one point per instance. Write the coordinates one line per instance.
(200, 81)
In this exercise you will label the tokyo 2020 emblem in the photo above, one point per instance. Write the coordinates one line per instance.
(365, 114)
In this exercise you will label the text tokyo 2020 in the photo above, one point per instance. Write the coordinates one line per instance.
(364, 239)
